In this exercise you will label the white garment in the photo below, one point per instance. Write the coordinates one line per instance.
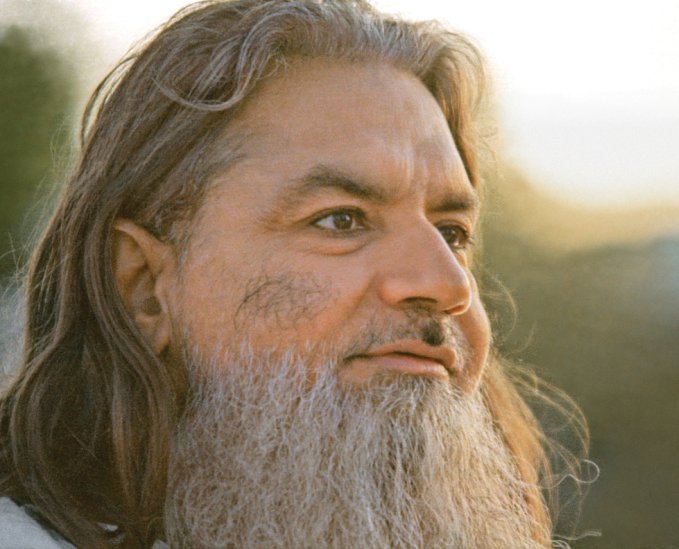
(19, 531)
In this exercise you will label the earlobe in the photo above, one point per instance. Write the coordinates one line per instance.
(143, 268)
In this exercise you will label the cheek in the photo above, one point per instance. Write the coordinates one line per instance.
(282, 302)
(302, 302)
(268, 311)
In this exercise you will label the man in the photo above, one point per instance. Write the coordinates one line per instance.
(252, 320)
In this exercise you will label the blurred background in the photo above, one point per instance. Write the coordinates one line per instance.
(582, 223)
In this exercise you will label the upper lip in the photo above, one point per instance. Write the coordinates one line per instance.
(443, 355)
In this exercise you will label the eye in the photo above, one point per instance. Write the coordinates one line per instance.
(341, 221)
(457, 237)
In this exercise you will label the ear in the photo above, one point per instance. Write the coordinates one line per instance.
(144, 269)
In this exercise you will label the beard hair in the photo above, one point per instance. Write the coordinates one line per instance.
(263, 457)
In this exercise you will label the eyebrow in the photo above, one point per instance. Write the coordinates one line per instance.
(322, 177)
(463, 202)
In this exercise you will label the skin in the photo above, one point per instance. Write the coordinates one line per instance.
(347, 221)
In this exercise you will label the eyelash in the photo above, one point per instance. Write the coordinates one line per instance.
(358, 217)
(462, 233)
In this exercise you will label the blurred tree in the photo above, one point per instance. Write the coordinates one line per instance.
(36, 98)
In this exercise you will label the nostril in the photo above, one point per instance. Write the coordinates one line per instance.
(425, 303)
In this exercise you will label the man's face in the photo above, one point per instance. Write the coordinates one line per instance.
(346, 225)
(333, 332)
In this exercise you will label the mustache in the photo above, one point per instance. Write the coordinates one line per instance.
(423, 326)
(429, 328)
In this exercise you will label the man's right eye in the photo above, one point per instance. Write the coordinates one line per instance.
(341, 221)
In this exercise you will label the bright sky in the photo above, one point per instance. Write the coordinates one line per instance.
(588, 89)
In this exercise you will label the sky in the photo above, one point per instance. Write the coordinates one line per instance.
(587, 90)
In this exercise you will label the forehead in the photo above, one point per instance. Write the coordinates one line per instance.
(371, 120)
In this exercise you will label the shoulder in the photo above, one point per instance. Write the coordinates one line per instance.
(19, 531)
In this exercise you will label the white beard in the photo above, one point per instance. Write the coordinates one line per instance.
(264, 458)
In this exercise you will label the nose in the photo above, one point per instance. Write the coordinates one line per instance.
(420, 269)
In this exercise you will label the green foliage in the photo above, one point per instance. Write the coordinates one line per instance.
(37, 95)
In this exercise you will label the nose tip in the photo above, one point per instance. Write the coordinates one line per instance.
(427, 273)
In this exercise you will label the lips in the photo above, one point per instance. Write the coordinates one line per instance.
(410, 357)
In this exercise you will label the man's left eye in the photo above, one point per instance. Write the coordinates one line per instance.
(457, 237)
(341, 220)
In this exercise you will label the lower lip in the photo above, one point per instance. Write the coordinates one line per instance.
(364, 367)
